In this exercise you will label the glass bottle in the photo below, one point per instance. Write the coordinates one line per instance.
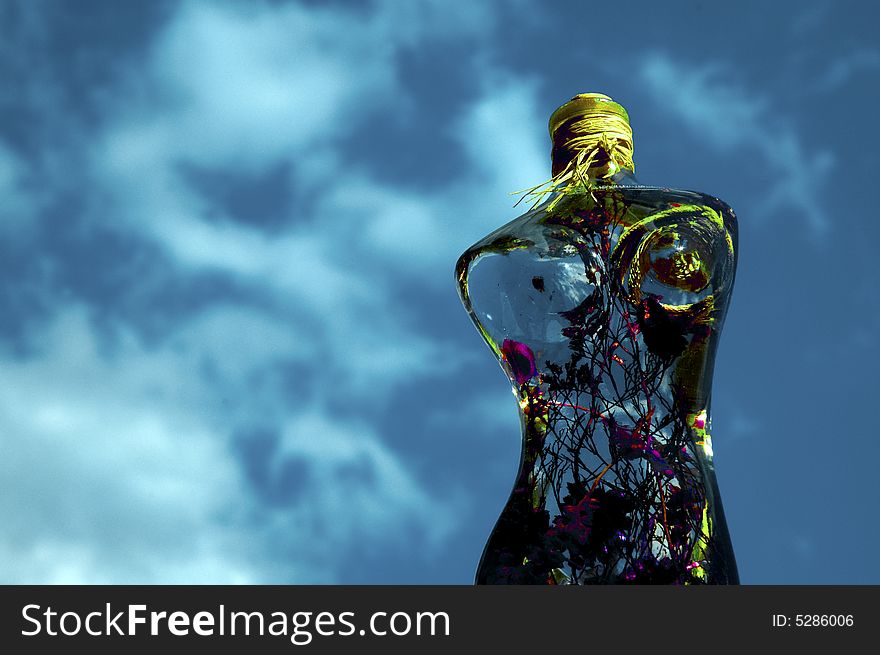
(604, 304)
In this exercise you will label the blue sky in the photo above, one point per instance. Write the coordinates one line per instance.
(231, 348)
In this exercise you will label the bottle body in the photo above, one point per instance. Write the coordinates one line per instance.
(604, 307)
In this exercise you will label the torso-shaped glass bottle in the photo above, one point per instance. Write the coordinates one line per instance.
(604, 305)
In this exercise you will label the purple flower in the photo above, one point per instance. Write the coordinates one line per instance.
(626, 443)
(574, 522)
(659, 463)
(632, 443)
(520, 359)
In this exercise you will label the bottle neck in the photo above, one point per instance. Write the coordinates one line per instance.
(593, 146)
(602, 166)
(592, 143)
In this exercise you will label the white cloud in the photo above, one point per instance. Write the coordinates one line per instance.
(338, 266)
(812, 18)
(506, 137)
(117, 454)
(842, 69)
(19, 199)
(421, 234)
(248, 84)
(119, 469)
(238, 86)
(382, 500)
(106, 482)
(732, 117)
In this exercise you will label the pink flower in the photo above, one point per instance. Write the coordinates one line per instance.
(520, 359)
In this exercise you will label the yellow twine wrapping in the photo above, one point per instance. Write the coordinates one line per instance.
(597, 137)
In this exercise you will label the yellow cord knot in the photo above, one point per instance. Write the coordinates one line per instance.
(592, 139)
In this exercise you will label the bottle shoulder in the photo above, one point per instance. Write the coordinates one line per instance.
(558, 225)
(676, 246)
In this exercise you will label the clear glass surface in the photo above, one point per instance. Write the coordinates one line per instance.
(605, 313)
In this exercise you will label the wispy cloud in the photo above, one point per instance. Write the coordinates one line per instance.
(844, 68)
(121, 466)
(731, 117)
(141, 460)
(16, 202)
(110, 472)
